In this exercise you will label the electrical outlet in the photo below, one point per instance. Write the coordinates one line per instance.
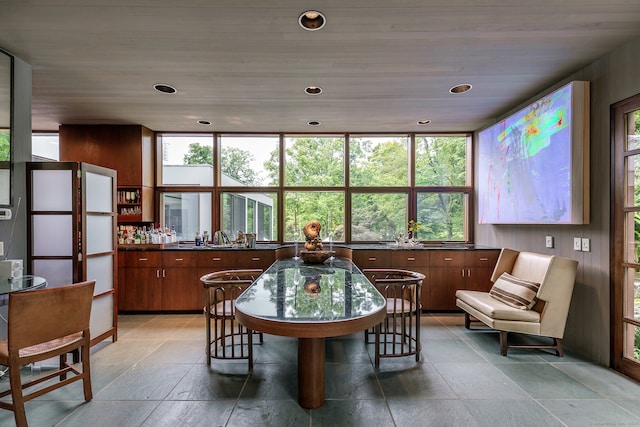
(586, 245)
(548, 241)
(577, 244)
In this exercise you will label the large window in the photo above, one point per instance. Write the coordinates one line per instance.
(379, 161)
(186, 159)
(361, 188)
(250, 161)
(188, 213)
(249, 213)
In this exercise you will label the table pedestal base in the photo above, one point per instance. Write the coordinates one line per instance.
(311, 372)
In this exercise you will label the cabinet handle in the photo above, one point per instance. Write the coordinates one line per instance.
(372, 258)
(484, 259)
(468, 272)
(462, 272)
(157, 273)
(411, 258)
(179, 259)
(216, 258)
(143, 259)
(448, 259)
(255, 258)
(164, 273)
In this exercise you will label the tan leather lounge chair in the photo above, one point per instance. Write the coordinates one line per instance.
(547, 317)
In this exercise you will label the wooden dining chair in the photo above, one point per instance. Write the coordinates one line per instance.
(226, 338)
(42, 324)
(399, 334)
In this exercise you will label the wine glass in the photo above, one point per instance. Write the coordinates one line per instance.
(295, 245)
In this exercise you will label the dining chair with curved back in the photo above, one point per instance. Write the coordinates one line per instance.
(42, 324)
(399, 334)
(226, 338)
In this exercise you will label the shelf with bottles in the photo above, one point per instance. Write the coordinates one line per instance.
(129, 197)
(145, 235)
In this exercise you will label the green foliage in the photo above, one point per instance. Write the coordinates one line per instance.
(5, 145)
(235, 162)
(441, 161)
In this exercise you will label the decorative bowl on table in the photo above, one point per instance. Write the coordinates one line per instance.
(315, 257)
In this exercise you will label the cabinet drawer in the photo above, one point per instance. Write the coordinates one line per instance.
(217, 260)
(440, 258)
(371, 258)
(482, 258)
(179, 259)
(255, 259)
(409, 259)
(142, 259)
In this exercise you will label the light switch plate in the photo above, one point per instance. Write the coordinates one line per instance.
(548, 242)
(577, 244)
(586, 244)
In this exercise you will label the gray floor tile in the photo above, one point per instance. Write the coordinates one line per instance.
(509, 413)
(269, 413)
(430, 413)
(589, 412)
(352, 413)
(190, 414)
(156, 375)
(479, 381)
(545, 381)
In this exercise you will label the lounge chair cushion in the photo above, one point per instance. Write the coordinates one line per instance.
(516, 292)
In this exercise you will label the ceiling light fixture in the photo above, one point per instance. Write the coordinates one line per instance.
(424, 122)
(204, 122)
(466, 87)
(314, 123)
(313, 90)
(312, 20)
(164, 88)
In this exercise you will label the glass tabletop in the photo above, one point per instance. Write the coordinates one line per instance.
(22, 283)
(292, 291)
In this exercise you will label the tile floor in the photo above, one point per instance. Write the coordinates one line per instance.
(155, 375)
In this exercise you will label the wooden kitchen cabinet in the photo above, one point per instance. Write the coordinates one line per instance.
(371, 258)
(126, 148)
(418, 261)
(451, 270)
(180, 281)
(143, 278)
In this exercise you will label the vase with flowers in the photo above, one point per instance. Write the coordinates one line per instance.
(412, 228)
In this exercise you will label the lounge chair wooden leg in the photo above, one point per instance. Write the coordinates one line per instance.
(558, 346)
(467, 320)
(504, 345)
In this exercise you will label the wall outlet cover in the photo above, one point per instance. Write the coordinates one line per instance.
(586, 245)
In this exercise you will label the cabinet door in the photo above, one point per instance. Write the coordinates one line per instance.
(144, 289)
(446, 276)
(179, 281)
(480, 267)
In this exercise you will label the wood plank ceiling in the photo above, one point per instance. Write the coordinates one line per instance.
(244, 64)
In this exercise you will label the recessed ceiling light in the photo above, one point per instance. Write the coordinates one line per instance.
(204, 122)
(312, 20)
(424, 122)
(313, 90)
(164, 88)
(466, 87)
(314, 123)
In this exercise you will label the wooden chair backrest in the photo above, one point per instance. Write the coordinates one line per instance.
(42, 315)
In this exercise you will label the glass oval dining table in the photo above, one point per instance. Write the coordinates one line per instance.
(26, 282)
(311, 303)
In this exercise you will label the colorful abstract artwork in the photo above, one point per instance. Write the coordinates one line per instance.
(525, 164)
